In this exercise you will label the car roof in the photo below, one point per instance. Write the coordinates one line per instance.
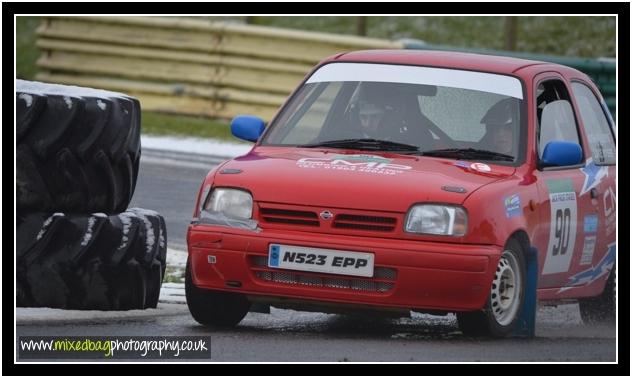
(459, 60)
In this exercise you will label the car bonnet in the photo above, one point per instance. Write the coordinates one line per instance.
(355, 179)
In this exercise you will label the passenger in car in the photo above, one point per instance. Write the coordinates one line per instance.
(501, 122)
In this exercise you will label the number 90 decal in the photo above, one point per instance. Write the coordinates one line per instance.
(563, 229)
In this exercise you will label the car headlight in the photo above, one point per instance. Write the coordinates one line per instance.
(437, 220)
(233, 203)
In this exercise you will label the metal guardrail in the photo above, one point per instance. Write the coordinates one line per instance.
(215, 69)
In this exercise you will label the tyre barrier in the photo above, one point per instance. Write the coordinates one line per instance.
(78, 150)
(77, 161)
(94, 262)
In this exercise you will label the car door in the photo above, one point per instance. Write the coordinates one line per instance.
(562, 208)
(598, 236)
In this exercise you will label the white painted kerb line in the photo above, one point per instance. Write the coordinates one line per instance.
(443, 77)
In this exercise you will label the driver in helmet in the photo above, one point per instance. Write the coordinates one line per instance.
(373, 110)
(370, 115)
(501, 121)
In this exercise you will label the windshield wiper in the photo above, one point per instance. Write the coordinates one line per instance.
(365, 144)
(468, 153)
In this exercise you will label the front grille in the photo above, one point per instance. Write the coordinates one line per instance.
(296, 217)
(364, 222)
(381, 282)
(333, 283)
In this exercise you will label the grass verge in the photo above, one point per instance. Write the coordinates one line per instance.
(168, 124)
(26, 52)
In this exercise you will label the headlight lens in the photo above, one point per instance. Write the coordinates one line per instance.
(437, 220)
(233, 203)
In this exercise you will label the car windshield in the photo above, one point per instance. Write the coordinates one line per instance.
(414, 110)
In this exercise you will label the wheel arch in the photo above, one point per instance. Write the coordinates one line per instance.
(526, 319)
(522, 238)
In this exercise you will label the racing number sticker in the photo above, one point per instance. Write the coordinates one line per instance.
(563, 229)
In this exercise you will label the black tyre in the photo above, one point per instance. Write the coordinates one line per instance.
(214, 308)
(91, 262)
(505, 301)
(601, 309)
(78, 149)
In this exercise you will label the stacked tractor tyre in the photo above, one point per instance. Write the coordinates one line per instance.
(77, 160)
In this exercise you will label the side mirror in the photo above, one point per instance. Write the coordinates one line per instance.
(559, 153)
(247, 127)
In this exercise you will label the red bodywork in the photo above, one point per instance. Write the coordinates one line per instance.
(412, 271)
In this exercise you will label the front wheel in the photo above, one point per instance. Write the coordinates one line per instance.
(214, 308)
(504, 304)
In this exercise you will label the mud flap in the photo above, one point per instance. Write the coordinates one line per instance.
(525, 326)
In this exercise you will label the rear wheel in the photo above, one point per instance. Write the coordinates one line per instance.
(505, 301)
(601, 308)
(214, 308)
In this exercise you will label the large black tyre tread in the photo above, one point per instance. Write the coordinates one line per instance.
(76, 153)
(91, 262)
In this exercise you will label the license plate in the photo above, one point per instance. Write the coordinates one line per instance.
(320, 260)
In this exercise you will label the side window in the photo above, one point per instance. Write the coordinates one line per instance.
(600, 140)
(555, 115)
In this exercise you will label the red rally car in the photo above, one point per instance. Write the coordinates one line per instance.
(428, 181)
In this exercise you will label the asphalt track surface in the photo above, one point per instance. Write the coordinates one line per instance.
(292, 336)
(169, 186)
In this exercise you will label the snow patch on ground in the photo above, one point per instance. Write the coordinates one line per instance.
(176, 258)
(45, 315)
(172, 292)
(174, 274)
(195, 145)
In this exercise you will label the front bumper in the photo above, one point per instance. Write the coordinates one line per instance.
(413, 275)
